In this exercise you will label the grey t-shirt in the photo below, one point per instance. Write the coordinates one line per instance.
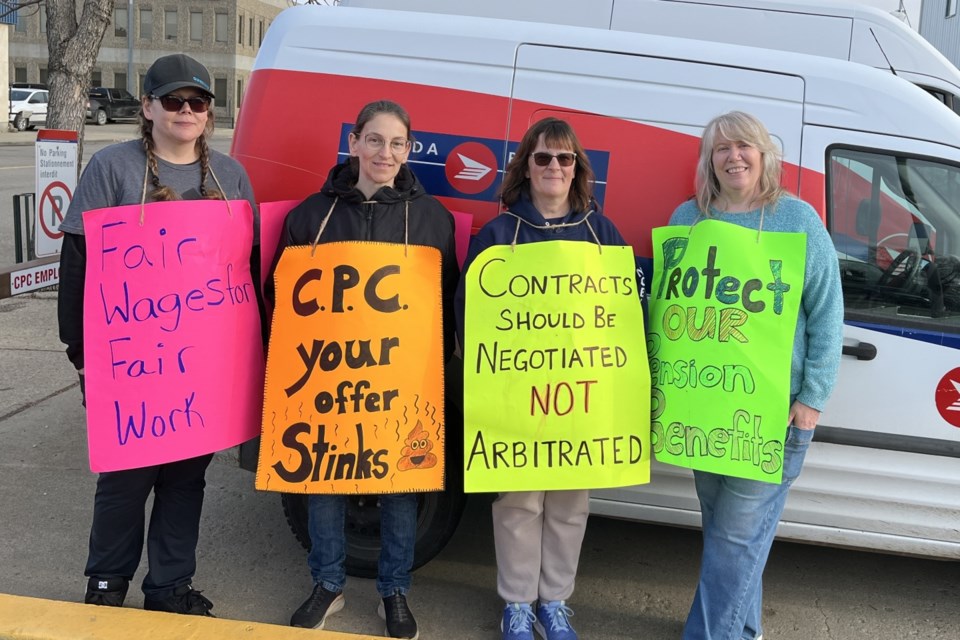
(114, 177)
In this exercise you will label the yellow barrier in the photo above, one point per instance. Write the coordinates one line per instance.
(37, 619)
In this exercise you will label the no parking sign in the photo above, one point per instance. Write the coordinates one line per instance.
(56, 181)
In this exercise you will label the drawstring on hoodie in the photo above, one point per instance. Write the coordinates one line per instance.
(326, 218)
(143, 193)
(323, 225)
(584, 220)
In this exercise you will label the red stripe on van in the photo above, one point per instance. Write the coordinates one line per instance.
(288, 133)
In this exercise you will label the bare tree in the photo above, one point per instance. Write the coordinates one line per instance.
(73, 44)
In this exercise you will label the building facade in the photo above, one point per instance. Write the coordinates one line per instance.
(940, 25)
(225, 35)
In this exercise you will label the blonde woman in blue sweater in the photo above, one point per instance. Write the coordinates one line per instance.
(738, 181)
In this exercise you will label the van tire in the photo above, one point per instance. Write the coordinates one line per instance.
(438, 514)
(21, 122)
(101, 117)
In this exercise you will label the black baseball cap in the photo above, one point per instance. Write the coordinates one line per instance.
(173, 72)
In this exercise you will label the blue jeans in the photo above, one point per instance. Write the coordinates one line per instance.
(398, 534)
(739, 523)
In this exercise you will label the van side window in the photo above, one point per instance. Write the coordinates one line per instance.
(951, 100)
(895, 222)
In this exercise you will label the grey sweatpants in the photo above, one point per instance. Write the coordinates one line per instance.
(538, 536)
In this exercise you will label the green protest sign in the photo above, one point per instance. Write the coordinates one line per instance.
(723, 313)
(556, 377)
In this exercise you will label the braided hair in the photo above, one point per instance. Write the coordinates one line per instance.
(162, 193)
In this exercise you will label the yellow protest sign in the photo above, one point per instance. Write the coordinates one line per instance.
(353, 399)
(556, 380)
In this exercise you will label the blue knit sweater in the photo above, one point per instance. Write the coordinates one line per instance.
(819, 337)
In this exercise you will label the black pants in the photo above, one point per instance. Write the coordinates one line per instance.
(116, 537)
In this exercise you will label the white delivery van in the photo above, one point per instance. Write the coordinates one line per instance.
(835, 29)
(875, 155)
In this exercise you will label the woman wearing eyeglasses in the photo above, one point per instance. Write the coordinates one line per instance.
(170, 161)
(548, 194)
(372, 196)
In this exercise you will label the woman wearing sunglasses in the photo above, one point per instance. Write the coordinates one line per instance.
(547, 192)
(170, 161)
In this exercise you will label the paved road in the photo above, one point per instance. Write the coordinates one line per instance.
(635, 581)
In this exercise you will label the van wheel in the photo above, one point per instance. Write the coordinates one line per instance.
(438, 515)
(101, 118)
(21, 122)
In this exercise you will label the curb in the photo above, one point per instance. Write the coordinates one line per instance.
(23, 618)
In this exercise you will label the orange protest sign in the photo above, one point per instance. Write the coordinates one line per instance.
(353, 399)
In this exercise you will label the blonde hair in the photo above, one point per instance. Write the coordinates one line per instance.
(738, 126)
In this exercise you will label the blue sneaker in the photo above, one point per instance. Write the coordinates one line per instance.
(517, 622)
(553, 621)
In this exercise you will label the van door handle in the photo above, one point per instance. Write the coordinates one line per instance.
(863, 351)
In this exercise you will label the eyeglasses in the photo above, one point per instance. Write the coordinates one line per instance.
(374, 142)
(173, 104)
(543, 159)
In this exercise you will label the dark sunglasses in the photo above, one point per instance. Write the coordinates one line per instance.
(173, 104)
(542, 159)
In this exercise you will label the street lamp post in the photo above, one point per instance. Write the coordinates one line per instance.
(131, 79)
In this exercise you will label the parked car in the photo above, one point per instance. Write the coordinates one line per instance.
(106, 105)
(28, 107)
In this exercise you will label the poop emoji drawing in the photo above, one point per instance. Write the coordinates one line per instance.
(416, 452)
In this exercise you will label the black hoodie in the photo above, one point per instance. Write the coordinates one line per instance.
(379, 219)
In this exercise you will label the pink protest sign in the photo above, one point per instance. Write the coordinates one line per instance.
(172, 347)
(462, 225)
(272, 215)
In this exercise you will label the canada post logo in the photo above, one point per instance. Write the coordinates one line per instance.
(467, 167)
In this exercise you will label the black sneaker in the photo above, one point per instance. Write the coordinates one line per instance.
(400, 621)
(107, 592)
(315, 610)
(185, 600)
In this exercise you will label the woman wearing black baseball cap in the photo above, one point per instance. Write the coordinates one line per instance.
(171, 160)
